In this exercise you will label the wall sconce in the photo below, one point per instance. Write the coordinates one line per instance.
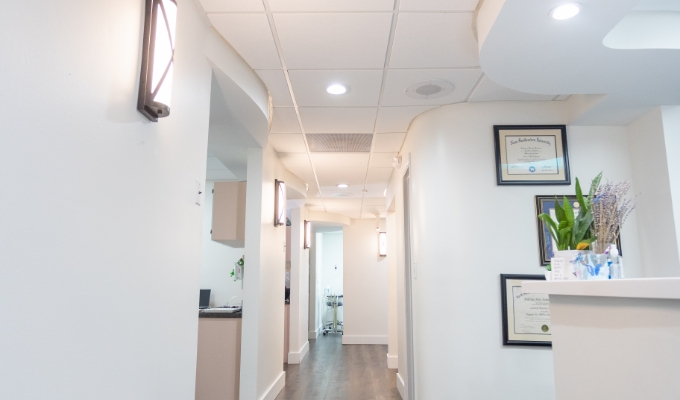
(158, 54)
(280, 203)
(382, 244)
(308, 234)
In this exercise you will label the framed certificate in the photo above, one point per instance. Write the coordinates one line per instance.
(526, 316)
(531, 155)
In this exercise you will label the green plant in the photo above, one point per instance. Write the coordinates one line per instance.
(570, 231)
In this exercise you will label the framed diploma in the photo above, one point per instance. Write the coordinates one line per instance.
(526, 316)
(531, 155)
(546, 244)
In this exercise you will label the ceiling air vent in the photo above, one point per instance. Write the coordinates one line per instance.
(339, 142)
(431, 89)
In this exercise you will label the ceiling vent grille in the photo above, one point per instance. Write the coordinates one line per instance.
(339, 143)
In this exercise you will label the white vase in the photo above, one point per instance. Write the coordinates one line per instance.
(548, 275)
(571, 266)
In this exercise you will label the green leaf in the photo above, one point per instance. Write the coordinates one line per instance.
(593, 187)
(568, 212)
(564, 235)
(551, 225)
(581, 200)
(559, 212)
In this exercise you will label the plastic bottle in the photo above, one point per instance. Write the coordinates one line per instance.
(615, 264)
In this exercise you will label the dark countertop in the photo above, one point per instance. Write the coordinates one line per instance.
(203, 314)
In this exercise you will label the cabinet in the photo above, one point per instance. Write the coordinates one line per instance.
(229, 213)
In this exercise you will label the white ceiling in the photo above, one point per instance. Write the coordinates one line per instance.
(548, 56)
(376, 47)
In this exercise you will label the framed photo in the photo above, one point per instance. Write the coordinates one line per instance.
(546, 244)
(526, 317)
(531, 155)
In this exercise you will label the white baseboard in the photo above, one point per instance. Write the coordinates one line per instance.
(364, 339)
(401, 387)
(296, 357)
(315, 334)
(275, 388)
(392, 361)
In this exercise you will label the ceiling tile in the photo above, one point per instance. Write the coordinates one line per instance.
(310, 87)
(398, 119)
(334, 41)
(383, 160)
(438, 5)
(285, 121)
(251, 36)
(338, 119)
(464, 80)
(275, 81)
(334, 168)
(488, 90)
(342, 202)
(300, 165)
(379, 174)
(376, 190)
(434, 40)
(288, 142)
(388, 142)
(331, 5)
(376, 201)
(232, 5)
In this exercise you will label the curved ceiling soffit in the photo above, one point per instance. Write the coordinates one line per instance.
(243, 92)
(547, 56)
(326, 217)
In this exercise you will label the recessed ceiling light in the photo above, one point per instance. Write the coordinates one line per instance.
(336, 89)
(343, 186)
(565, 11)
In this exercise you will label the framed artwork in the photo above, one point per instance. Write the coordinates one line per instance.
(526, 316)
(546, 244)
(531, 155)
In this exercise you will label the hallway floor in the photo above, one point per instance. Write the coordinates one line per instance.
(332, 371)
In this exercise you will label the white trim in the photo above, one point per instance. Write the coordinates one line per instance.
(315, 334)
(275, 388)
(296, 357)
(392, 361)
(401, 387)
(364, 339)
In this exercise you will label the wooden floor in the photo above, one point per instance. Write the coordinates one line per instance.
(332, 371)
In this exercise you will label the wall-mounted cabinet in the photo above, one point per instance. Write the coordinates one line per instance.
(229, 213)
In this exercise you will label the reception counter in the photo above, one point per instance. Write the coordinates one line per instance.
(616, 339)
(219, 356)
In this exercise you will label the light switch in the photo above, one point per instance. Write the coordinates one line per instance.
(199, 193)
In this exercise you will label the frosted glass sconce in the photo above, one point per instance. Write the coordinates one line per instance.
(280, 203)
(158, 54)
(308, 234)
(382, 244)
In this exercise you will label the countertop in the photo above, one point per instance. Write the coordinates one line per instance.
(203, 314)
(647, 288)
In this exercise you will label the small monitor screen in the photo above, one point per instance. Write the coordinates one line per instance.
(204, 301)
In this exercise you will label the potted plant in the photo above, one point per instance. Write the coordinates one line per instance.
(572, 231)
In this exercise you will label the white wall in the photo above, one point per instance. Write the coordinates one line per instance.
(655, 210)
(671, 128)
(100, 238)
(392, 313)
(365, 285)
(262, 373)
(332, 262)
(457, 213)
(217, 260)
(299, 288)
(316, 306)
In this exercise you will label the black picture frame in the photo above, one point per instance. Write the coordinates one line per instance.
(507, 341)
(544, 204)
(561, 178)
